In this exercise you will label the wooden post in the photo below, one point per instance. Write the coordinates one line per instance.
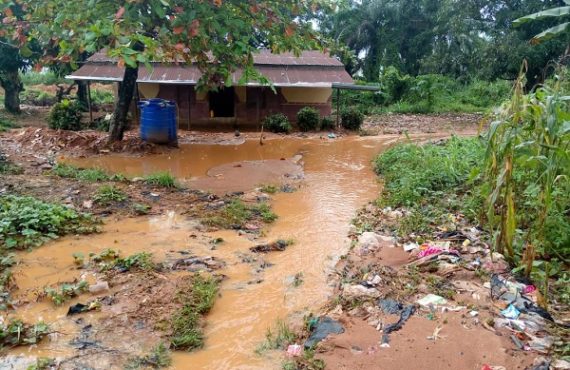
(189, 106)
(89, 102)
(137, 101)
(337, 108)
(257, 104)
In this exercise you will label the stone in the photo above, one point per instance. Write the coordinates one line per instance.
(370, 241)
(359, 291)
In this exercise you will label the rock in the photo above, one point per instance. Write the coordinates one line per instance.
(560, 364)
(99, 287)
(251, 227)
(357, 291)
(88, 204)
(137, 179)
(277, 246)
(297, 158)
(369, 242)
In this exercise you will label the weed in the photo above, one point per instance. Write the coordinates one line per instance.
(108, 194)
(110, 259)
(16, 332)
(162, 179)
(269, 189)
(72, 172)
(197, 300)
(236, 213)
(27, 222)
(6, 124)
(279, 340)
(141, 209)
(42, 363)
(158, 358)
(65, 292)
(298, 279)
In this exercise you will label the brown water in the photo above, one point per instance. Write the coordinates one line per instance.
(338, 180)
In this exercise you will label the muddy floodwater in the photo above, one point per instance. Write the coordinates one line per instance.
(337, 179)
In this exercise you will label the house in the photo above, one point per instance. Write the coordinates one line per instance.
(307, 80)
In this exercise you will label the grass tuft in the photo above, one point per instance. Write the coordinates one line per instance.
(162, 179)
(108, 194)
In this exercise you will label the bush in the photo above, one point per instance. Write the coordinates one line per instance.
(277, 123)
(308, 119)
(327, 123)
(65, 116)
(351, 119)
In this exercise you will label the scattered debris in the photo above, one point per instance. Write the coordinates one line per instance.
(277, 246)
(323, 328)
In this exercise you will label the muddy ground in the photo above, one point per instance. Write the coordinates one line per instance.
(464, 341)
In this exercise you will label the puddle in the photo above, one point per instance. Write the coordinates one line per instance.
(338, 179)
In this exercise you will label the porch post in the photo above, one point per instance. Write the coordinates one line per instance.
(89, 102)
(337, 108)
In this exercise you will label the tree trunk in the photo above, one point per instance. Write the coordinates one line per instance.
(126, 92)
(12, 86)
(82, 94)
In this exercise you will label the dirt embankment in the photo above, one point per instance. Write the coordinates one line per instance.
(448, 303)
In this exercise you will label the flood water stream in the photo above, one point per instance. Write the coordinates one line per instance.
(338, 179)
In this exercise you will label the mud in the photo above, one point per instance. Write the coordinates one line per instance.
(337, 180)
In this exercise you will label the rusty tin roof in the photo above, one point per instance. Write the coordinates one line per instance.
(310, 69)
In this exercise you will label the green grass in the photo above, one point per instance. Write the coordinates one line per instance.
(27, 222)
(42, 78)
(6, 124)
(269, 189)
(197, 300)
(412, 172)
(110, 259)
(279, 338)
(236, 214)
(85, 174)
(109, 194)
(162, 179)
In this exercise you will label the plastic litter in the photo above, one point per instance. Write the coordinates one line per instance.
(541, 345)
(390, 306)
(489, 367)
(431, 300)
(511, 312)
(411, 246)
(331, 136)
(323, 328)
(406, 313)
(529, 289)
(294, 350)
(429, 251)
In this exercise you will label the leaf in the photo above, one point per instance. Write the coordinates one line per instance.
(550, 33)
(554, 12)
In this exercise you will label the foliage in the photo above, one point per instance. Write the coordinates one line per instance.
(413, 172)
(141, 209)
(17, 333)
(6, 124)
(108, 194)
(30, 78)
(277, 122)
(236, 213)
(551, 32)
(351, 118)
(9, 168)
(102, 97)
(308, 119)
(65, 292)
(197, 300)
(109, 259)
(27, 222)
(282, 337)
(42, 363)
(158, 358)
(162, 179)
(84, 174)
(65, 115)
(327, 123)
(269, 189)
(527, 177)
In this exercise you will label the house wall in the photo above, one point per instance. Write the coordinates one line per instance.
(252, 104)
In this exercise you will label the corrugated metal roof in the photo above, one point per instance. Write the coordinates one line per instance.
(262, 57)
(279, 74)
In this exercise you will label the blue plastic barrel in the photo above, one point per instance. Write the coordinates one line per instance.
(158, 121)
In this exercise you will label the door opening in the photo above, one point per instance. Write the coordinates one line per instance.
(222, 102)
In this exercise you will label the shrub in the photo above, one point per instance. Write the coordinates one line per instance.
(6, 124)
(65, 116)
(308, 119)
(278, 123)
(108, 194)
(327, 123)
(351, 118)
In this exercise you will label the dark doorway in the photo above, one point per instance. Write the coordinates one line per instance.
(222, 102)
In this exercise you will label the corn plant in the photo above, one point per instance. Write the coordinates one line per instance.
(528, 168)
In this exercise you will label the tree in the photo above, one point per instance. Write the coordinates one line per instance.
(218, 36)
(15, 52)
(553, 31)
